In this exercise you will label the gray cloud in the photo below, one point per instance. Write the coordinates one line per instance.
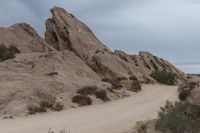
(168, 28)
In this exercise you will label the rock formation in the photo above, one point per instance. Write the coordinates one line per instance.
(64, 31)
(24, 37)
(69, 58)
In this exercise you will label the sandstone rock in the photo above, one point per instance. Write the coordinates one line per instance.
(70, 58)
(120, 64)
(64, 31)
(24, 37)
(24, 80)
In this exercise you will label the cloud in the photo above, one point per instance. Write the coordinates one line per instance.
(168, 28)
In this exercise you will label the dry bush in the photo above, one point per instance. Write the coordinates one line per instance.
(185, 90)
(135, 86)
(87, 90)
(141, 127)
(102, 94)
(115, 82)
(82, 100)
(51, 74)
(181, 117)
(93, 90)
(132, 78)
(63, 131)
(7, 53)
(184, 94)
(33, 109)
(58, 107)
(47, 104)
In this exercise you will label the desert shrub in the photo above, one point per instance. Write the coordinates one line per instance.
(164, 77)
(44, 106)
(87, 90)
(7, 117)
(115, 82)
(132, 78)
(93, 90)
(193, 85)
(121, 78)
(63, 131)
(102, 94)
(185, 90)
(131, 84)
(7, 53)
(141, 127)
(135, 86)
(188, 86)
(14, 49)
(47, 104)
(58, 107)
(44, 96)
(82, 100)
(180, 117)
(33, 109)
(184, 94)
(52, 74)
(97, 51)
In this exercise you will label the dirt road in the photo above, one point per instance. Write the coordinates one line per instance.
(113, 117)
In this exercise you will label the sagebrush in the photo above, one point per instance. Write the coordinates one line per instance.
(180, 117)
(164, 77)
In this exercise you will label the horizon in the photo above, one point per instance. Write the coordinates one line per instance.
(168, 29)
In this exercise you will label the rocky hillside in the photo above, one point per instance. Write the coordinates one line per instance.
(69, 59)
(64, 31)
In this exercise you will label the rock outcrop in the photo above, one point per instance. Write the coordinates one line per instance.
(64, 31)
(24, 37)
(70, 57)
(30, 78)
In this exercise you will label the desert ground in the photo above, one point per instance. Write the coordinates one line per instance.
(113, 117)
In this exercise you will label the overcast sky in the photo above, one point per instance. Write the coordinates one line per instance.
(167, 28)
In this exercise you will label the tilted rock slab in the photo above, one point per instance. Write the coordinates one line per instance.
(64, 31)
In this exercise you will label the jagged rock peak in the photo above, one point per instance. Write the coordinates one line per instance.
(24, 37)
(65, 31)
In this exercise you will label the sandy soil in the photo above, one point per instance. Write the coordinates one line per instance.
(113, 117)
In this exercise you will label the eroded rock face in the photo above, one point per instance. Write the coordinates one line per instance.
(64, 31)
(24, 37)
(30, 78)
(120, 64)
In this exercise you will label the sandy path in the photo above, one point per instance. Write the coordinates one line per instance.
(113, 117)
